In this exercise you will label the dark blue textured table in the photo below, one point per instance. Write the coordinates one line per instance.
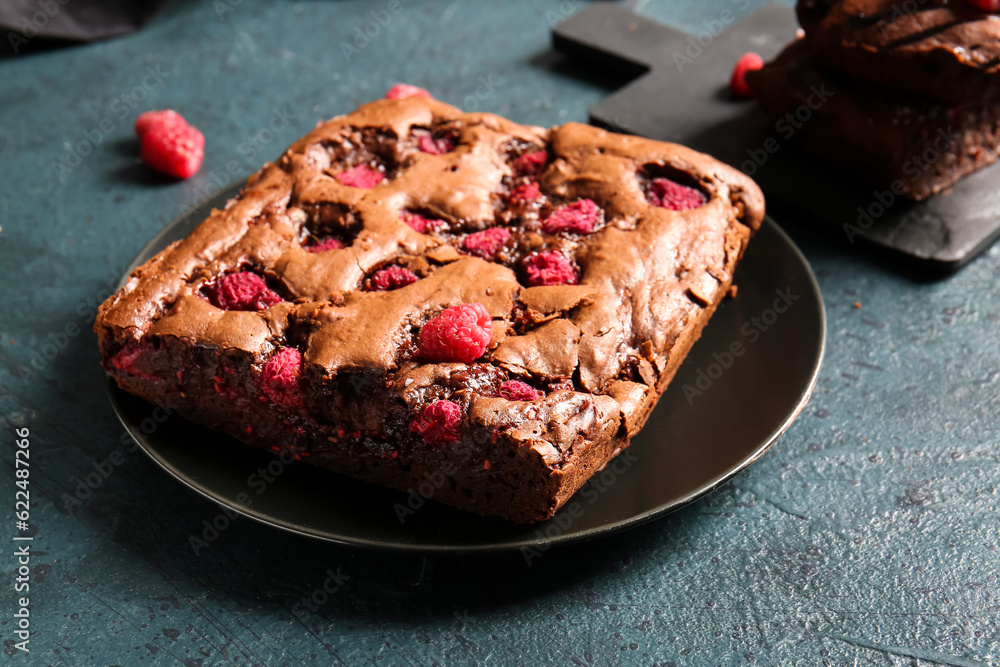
(867, 536)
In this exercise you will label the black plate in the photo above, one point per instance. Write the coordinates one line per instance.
(719, 414)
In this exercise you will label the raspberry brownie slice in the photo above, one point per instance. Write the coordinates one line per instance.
(904, 95)
(947, 50)
(410, 290)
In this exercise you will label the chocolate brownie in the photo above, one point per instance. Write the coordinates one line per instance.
(913, 145)
(910, 89)
(943, 49)
(410, 289)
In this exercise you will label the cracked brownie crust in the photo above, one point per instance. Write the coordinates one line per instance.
(299, 317)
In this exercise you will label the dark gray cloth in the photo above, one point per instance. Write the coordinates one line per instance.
(23, 21)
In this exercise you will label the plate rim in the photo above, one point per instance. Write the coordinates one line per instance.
(628, 523)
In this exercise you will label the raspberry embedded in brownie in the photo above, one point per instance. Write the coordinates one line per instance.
(579, 217)
(486, 243)
(392, 277)
(243, 290)
(549, 268)
(438, 423)
(361, 176)
(409, 286)
(279, 378)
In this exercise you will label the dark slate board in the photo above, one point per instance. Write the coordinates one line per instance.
(681, 95)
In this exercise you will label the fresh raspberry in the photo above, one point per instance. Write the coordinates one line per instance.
(361, 176)
(242, 291)
(392, 277)
(279, 378)
(421, 224)
(578, 217)
(325, 244)
(525, 193)
(438, 423)
(674, 196)
(126, 359)
(173, 149)
(404, 90)
(459, 333)
(549, 268)
(515, 390)
(748, 62)
(986, 5)
(485, 244)
(531, 163)
(437, 144)
(156, 119)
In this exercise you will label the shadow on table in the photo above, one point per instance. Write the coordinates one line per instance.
(258, 567)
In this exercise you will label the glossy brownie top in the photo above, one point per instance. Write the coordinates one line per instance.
(377, 221)
(944, 49)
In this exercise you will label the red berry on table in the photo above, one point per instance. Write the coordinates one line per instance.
(172, 148)
(439, 423)
(986, 5)
(403, 90)
(748, 62)
(156, 119)
(460, 333)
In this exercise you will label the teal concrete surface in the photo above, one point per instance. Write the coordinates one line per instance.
(866, 536)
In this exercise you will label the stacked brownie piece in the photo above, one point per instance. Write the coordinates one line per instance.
(410, 291)
(909, 88)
